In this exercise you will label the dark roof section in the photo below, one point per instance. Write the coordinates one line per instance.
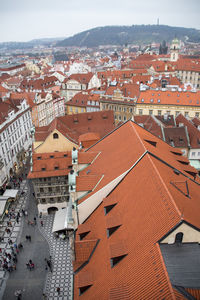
(183, 264)
(176, 137)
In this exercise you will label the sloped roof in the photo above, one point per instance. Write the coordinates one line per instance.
(176, 136)
(147, 206)
(81, 78)
(193, 132)
(148, 122)
(169, 98)
(72, 126)
(50, 164)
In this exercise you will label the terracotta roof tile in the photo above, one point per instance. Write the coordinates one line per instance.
(87, 183)
(148, 207)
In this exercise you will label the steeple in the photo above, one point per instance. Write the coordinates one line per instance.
(174, 49)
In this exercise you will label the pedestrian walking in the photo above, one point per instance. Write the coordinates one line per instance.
(20, 246)
(29, 237)
(41, 222)
(58, 290)
(44, 296)
(35, 222)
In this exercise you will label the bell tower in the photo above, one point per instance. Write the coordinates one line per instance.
(174, 50)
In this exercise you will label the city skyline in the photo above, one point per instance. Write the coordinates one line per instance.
(23, 21)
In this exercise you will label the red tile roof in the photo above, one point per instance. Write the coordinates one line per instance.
(72, 126)
(148, 206)
(193, 132)
(50, 164)
(169, 98)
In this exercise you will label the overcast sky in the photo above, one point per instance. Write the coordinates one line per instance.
(23, 20)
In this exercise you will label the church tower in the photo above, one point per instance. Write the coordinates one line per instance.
(174, 50)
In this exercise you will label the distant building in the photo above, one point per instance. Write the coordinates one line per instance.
(11, 68)
(77, 83)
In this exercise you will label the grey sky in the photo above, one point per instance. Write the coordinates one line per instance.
(23, 20)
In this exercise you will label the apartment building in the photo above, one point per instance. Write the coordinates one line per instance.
(15, 136)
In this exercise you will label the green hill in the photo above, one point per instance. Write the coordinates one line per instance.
(135, 34)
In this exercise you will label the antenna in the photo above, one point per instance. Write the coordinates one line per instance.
(158, 21)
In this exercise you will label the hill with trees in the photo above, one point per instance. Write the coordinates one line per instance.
(135, 34)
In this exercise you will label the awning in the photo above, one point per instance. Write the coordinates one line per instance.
(10, 193)
(3, 201)
(61, 220)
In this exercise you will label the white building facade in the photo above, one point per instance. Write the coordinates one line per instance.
(15, 137)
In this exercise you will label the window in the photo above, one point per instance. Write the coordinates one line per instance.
(124, 118)
(55, 136)
(158, 100)
(159, 113)
(111, 230)
(197, 114)
(151, 100)
(140, 111)
(108, 208)
(177, 112)
(179, 238)
(83, 234)
(153, 143)
(83, 289)
(186, 114)
(168, 112)
(150, 112)
(116, 260)
(193, 153)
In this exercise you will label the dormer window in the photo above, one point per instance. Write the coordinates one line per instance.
(83, 234)
(83, 289)
(115, 260)
(111, 230)
(108, 208)
(55, 135)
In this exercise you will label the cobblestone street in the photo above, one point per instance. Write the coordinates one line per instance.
(43, 245)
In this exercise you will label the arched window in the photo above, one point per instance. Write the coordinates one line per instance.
(179, 238)
(55, 136)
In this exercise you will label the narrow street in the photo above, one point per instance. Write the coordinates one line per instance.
(30, 282)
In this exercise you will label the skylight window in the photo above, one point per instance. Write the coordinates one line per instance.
(158, 100)
(151, 100)
(142, 100)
